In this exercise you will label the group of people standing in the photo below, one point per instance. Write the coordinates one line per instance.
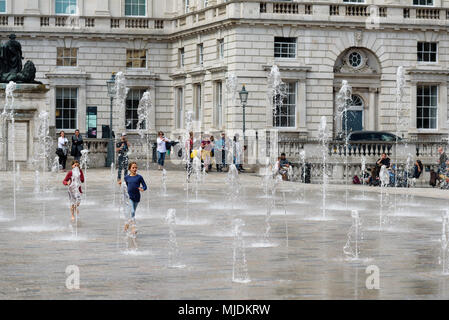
(63, 147)
(219, 152)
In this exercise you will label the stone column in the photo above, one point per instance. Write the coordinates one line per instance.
(412, 124)
(442, 107)
(372, 109)
(82, 109)
(301, 100)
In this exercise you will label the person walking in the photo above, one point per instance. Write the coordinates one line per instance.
(63, 146)
(238, 154)
(161, 149)
(77, 145)
(73, 180)
(220, 147)
(122, 148)
(211, 147)
(135, 184)
(189, 150)
(442, 160)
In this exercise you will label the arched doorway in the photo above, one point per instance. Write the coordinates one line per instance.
(361, 68)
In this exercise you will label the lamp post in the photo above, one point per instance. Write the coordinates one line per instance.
(243, 99)
(111, 93)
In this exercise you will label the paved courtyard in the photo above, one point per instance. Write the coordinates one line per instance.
(304, 258)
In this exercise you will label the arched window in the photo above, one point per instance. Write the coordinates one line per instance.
(354, 115)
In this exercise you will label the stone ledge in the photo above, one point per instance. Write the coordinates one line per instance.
(27, 87)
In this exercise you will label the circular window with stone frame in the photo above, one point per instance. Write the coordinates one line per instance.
(355, 59)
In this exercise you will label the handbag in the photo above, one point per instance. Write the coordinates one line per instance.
(59, 152)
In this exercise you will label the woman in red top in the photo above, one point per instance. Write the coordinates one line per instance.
(73, 180)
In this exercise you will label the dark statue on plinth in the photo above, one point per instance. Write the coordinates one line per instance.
(11, 63)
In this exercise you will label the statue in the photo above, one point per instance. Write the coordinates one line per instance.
(11, 63)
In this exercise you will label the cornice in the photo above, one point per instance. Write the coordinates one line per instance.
(281, 67)
(136, 75)
(427, 71)
(178, 75)
(218, 69)
(58, 74)
(199, 72)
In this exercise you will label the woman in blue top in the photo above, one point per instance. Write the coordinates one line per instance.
(134, 182)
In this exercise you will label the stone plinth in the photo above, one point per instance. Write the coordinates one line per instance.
(29, 100)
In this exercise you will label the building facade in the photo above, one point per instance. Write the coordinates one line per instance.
(183, 52)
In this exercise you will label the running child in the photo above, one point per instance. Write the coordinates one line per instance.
(73, 180)
(135, 184)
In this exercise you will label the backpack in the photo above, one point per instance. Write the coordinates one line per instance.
(356, 180)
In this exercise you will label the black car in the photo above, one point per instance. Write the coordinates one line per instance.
(374, 136)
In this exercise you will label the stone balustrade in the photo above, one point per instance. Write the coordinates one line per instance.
(406, 15)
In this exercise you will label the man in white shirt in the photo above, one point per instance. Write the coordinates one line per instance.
(161, 149)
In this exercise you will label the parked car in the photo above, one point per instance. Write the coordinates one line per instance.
(370, 136)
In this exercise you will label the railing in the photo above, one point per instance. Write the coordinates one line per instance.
(45, 21)
(60, 21)
(90, 22)
(4, 20)
(334, 10)
(18, 21)
(425, 13)
(115, 23)
(358, 11)
(319, 11)
(338, 149)
(359, 149)
(96, 145)
(137, 23)
(285, 8)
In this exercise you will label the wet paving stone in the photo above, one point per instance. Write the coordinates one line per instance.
(304, 259)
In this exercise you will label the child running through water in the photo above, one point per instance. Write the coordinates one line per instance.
(134, 182)
(73, 179)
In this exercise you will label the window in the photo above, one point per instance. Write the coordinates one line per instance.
(186, 6)
(179, 107)
(200, 54)
(284, 47)
(66, 57)
(197, 112)
(423, 2)
(427, 105)
(218, 104)
(136, 58)
(355, 59)
(354, 114)
(427, 51)
(354, 1)
(91, 122)
(205, 3)
(2, 6)
(285, 114)
(135, 8)
(65, 7)
(66, 108)
(181, 57)
(132, 104)
(220, 49)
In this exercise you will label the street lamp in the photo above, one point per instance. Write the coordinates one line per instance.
(111, 93)
(243, 99)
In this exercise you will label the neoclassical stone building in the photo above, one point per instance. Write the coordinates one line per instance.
(182, 50)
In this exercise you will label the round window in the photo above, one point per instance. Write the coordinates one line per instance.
(355, 59)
